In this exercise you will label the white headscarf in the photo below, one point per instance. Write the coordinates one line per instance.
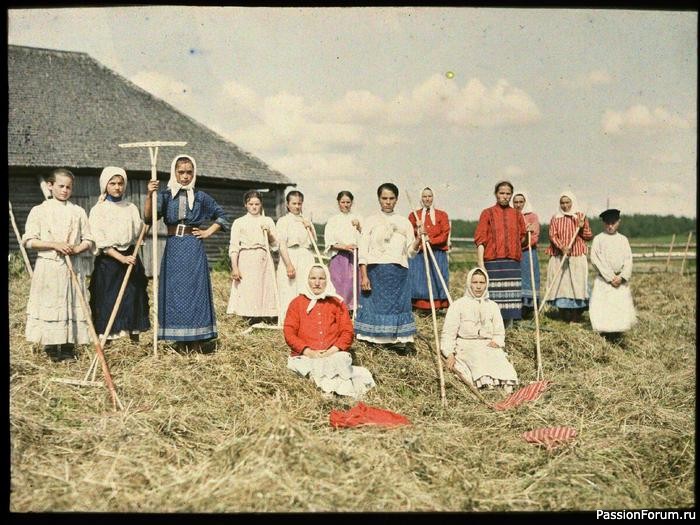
(528, 207)
(468, 290)
(175, 186)
(574, 205)
(106, 175)
(432, 208)
(329, 291)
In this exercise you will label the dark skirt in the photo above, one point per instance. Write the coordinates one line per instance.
(526, 281)
(505, 286)
(104, 288)
(419, 285)
(185, 298)
(385, 311)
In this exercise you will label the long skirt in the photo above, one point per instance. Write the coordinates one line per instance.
(107, 277)
(384, 314)
(185, 299)
(301, 259)
(334, 373)
(611, 309)
(484, 364)
(570, 289)
(254, 295)
(505, 286)
(341, 268)
(54, 313)
(527, 281)
(419, 285)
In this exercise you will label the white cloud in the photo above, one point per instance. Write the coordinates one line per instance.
(163, 86)
(641, 118)
(596, 77)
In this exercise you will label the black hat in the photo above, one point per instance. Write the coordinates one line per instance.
(610, 216)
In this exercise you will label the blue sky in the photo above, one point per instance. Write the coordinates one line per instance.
(602, 102)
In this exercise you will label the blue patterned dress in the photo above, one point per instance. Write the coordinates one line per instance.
(185, 298)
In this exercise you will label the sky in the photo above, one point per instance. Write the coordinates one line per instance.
(599, 102)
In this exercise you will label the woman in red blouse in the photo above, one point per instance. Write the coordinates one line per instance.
(498, 238)
(318, 329)
(437, 226)
(569, 291)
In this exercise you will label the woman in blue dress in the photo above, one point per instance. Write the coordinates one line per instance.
(185, 299)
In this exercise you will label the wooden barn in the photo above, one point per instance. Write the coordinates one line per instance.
(68, 110)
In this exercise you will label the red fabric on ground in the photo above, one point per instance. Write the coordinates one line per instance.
(424, 304)
(362, 414)
(551, 437)
(527, 393)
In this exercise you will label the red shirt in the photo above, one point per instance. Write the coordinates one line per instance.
(562, 229)
(327, 324)
(501, 230)
(438, 233)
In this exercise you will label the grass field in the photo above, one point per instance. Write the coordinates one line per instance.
(233, 430)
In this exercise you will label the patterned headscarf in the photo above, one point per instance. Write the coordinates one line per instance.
(329, 290)
(175, 186)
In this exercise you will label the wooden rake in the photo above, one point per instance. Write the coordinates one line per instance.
(153, 151)
(22, 250)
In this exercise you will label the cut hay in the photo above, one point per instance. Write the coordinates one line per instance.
(233, 430)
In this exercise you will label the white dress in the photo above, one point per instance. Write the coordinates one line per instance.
(291, 232)
(254, 295)
(54, 313)
(339, 230)
(470, 324)
(611, 309)
(334, 373)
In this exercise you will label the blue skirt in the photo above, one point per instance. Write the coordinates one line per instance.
(416, 275)
(185, 299)
(526, 281)
(505, 286)
(385, 311)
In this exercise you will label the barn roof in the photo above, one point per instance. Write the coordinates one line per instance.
(67, 109)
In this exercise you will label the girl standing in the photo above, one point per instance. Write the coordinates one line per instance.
(296, 253)
(473, 337)
(521, 202)
(437, 225)
(116, 225)
(384, 315)
(57, 228)
(342, 236)
(252, 270)
(498, 238)
(569, 291)
(185, 298)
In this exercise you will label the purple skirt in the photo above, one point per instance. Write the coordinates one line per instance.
(340, 268)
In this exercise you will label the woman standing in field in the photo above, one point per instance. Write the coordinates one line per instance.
(384, 315)
(437, 225)
(498, 238)
(57, 229)
(568, 286)
(521, 202)
(293, 236)
(116, 225)
(342, 236)
(253, 292)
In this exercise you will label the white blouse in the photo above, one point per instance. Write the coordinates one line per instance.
(339, 230)
(291, 231)
(115, 224)
(469, 318)
(387, 238)
(247, 233)
(612, 255)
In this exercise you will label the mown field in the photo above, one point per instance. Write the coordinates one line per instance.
(233, 430)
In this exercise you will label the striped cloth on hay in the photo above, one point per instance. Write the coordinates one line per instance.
(550, 437)
(527, 393)
(505, 286)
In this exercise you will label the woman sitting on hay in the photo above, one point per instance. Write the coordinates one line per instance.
(318, 329)
(473, 337)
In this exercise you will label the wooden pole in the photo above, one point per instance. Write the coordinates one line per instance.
(354, 283)
(271, 263)
(439, 273)
(670, 249)
(25, 257)
(153, 151)
(432, 309)
(313, 241)
(561, 267)
(537, 314)
(685, 255)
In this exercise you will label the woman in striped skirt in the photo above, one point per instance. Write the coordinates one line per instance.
(521, 202)
(437, 226)
(569, 291)
(498, 238)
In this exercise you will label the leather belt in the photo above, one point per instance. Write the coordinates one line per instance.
(179, 230)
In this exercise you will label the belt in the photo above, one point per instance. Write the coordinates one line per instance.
(178, 230)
